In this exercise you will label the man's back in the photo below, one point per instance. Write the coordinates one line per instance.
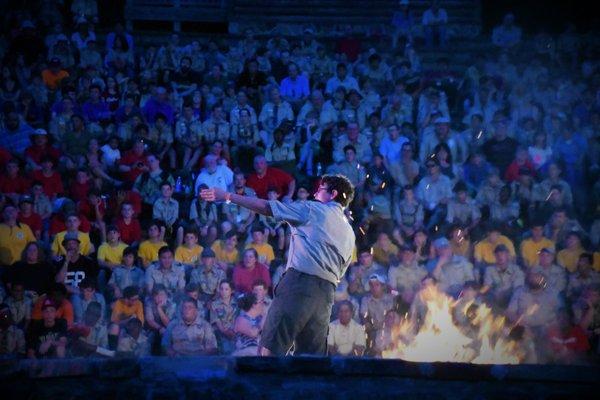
(322, 239)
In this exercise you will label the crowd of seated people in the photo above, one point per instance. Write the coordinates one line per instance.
(482, 182)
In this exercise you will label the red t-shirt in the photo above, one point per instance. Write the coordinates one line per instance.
(79, 191)
(243, 278)
(130, 197)
(34, 221)
(512, 172)
(574, 340)
(129, 233)
(57, 224)
(131, 160)
(274, 177)
(36, 153)
(52, 184)
(86, 208)
(5, 156)
(349, 46)
(18, 184)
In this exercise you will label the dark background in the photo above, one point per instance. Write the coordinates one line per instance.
(536, 15)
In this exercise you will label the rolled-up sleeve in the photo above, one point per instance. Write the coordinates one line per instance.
(296, 213)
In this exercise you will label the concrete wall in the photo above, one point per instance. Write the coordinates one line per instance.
(287, 378)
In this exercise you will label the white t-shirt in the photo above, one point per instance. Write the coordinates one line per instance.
(346, 337)
(221, 178)
(429, 18)
(539, 157)
(109, 155)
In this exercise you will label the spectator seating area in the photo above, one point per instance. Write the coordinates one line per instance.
(475, 166)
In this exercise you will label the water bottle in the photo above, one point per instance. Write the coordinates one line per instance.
(319, 169)
(178, 185)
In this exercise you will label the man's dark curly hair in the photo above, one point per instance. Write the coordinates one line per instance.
(342, 185)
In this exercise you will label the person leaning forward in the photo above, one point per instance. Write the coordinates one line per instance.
(321, 246)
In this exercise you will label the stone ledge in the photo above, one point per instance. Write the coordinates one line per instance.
(288, 378)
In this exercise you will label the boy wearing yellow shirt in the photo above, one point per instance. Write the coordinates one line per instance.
(484, 250)
(148, 251)
(125, 309)
(14, 237)
(72, 223)
(110, 253)
(226, 251)
(258, 243)
(569, 256)
(189, 252)
(530, 248)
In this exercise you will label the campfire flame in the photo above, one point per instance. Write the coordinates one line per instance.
(437, 337)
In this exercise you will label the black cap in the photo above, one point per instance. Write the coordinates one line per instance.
(500, 248)
(208, 252)
(71, 236)
(408, 247)
(460, 187)
(25, 199)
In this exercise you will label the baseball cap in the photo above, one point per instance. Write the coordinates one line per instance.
(25, 199)
(27, 24)
(440, 243)
(549, 250)
(208, 252)
(354, 91)
(377, 277)
(408, 247)
(112, 228)
(460, 187)
(48, 303)
(500, 248)
(40, 131)
(442, 120)
(71, 236)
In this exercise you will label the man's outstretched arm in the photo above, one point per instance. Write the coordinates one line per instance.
(255, 204)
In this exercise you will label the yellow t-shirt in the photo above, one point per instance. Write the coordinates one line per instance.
(265, 252)
(569, 258)
(462, 248)
(530, 250)
(122, 311)
(85, 247)
(108, 253)
(224, 256)
(484, 250)
(382, 256)
(13, 241)
(188, 256)
(148, 251)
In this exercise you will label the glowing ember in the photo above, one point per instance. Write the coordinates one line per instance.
(437, 337)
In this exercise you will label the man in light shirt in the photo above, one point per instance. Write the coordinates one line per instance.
(214, 174)
(322, 242)
(346, 337)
